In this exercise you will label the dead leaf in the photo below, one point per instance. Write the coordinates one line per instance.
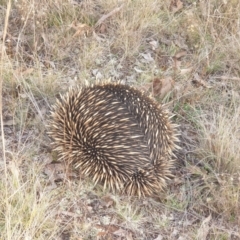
(156, 86)
(70, 214)
(102, 234)
(110, 228)
(199, 81)
(176, 5)
(23, 71)
(204, 228)
(138, 70)
(160, 87)
(45, 39)
(129, 236)
(81, 29)
(177, 63)
(165, 40)
(57, 171)
(49, 64)
(122, 233)
(107, 201)
(9, 123)
(186, 70)
(180, 54)
(159, 237)
(180, 42)
(154, 44)
(177, 59)
(97, 74)
(23, 95)
(147, 57)
(102, 28)
(28, 71)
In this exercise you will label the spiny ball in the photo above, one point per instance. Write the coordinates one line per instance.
(116, 135)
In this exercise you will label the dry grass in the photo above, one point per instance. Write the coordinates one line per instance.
(50, 45)
(221, 139)
(27, 206)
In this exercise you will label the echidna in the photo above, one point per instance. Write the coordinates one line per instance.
(116, 135)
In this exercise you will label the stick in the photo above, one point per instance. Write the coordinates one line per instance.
(104, 17)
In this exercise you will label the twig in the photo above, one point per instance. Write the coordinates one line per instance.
(3, 53)
(227, 78)
(104, 17)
